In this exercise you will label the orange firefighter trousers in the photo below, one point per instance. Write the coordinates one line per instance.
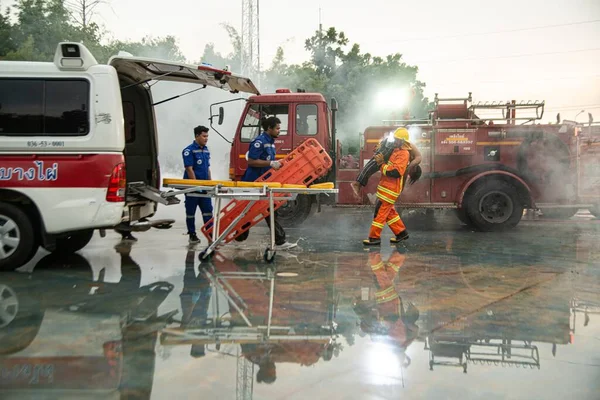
(388, 191)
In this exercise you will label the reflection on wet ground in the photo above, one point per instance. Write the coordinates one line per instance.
(451, 313)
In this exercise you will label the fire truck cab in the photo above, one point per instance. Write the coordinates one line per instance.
(303, 115)
(79, 146)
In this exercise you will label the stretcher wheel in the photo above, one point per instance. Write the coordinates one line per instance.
(204, 257)
(269, 256)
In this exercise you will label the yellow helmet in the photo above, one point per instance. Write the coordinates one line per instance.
(401, 133)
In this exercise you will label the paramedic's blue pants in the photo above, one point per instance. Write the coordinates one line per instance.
(191, 204)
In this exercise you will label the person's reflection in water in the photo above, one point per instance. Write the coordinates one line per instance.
(260, 355)
(387, 319)
(195, 298)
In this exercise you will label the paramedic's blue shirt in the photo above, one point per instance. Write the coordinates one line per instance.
(198, 158)
(261, 148)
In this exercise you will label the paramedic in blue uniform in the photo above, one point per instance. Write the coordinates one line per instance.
(261, 158)
(196, 161)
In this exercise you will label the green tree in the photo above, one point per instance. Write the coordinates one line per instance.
(336, 69)
(165, 48)
(6, 31)
(41, 24)
(233, 59)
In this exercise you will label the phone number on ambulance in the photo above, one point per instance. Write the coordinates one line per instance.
(43, 143)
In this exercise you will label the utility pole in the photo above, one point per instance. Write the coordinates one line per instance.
(251, 39)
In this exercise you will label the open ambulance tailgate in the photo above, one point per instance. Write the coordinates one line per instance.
(146, 69)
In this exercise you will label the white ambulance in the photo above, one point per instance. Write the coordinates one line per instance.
(78, 146)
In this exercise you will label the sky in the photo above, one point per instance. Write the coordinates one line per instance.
(510, 50)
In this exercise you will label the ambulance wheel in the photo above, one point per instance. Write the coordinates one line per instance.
(18, 243)
(294, 212)
(72, 242)
(269, 256)
(21, 319)
(494, 205)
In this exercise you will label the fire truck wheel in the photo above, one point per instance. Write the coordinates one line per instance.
(17, 240)
(494, 205)
(294, 213)
(73, 242)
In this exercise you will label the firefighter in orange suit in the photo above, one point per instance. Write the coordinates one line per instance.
(388, 191)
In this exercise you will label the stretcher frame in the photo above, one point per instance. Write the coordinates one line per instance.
(261, 192)
(249, 334)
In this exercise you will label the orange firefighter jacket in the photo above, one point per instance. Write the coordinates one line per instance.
(390, 183)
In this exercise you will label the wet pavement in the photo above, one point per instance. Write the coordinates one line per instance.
(450, 313)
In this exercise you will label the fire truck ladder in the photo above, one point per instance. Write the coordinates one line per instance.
(509, 110)
(585, 307)
(498, 352)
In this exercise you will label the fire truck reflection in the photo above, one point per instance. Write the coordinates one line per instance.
(483, 310)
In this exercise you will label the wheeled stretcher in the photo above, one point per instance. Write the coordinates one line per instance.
(251, 202)
(258, 200)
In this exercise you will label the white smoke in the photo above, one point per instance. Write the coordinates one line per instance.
(177, 118)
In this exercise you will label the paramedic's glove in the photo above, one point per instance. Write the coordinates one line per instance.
(378, 158)
(275, 165)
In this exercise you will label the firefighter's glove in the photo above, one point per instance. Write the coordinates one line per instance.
(378, 158)
(275, 165)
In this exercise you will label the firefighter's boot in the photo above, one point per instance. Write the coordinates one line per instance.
(372, 242)
(400, 237)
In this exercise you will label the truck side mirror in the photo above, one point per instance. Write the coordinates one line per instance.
(334, 105)
(221, 115)
(590, 118)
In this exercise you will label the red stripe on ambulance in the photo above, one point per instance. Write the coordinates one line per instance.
(58, 171)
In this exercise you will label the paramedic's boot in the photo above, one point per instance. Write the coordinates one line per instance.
(356, 189)
(194, 239)
(400, 237)
(372, 241)
(128, 236)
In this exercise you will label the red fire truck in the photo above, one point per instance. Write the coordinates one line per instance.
(487, 161)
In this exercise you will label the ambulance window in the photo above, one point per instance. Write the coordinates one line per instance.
(67, 107)
(44, 107)
(21, 107)
(306, 119)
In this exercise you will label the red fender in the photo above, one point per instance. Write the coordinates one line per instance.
(496, 172)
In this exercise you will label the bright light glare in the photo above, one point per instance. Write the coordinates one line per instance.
(383, 365)
(392, 98)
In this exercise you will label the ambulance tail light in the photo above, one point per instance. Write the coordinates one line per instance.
(117, 184)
